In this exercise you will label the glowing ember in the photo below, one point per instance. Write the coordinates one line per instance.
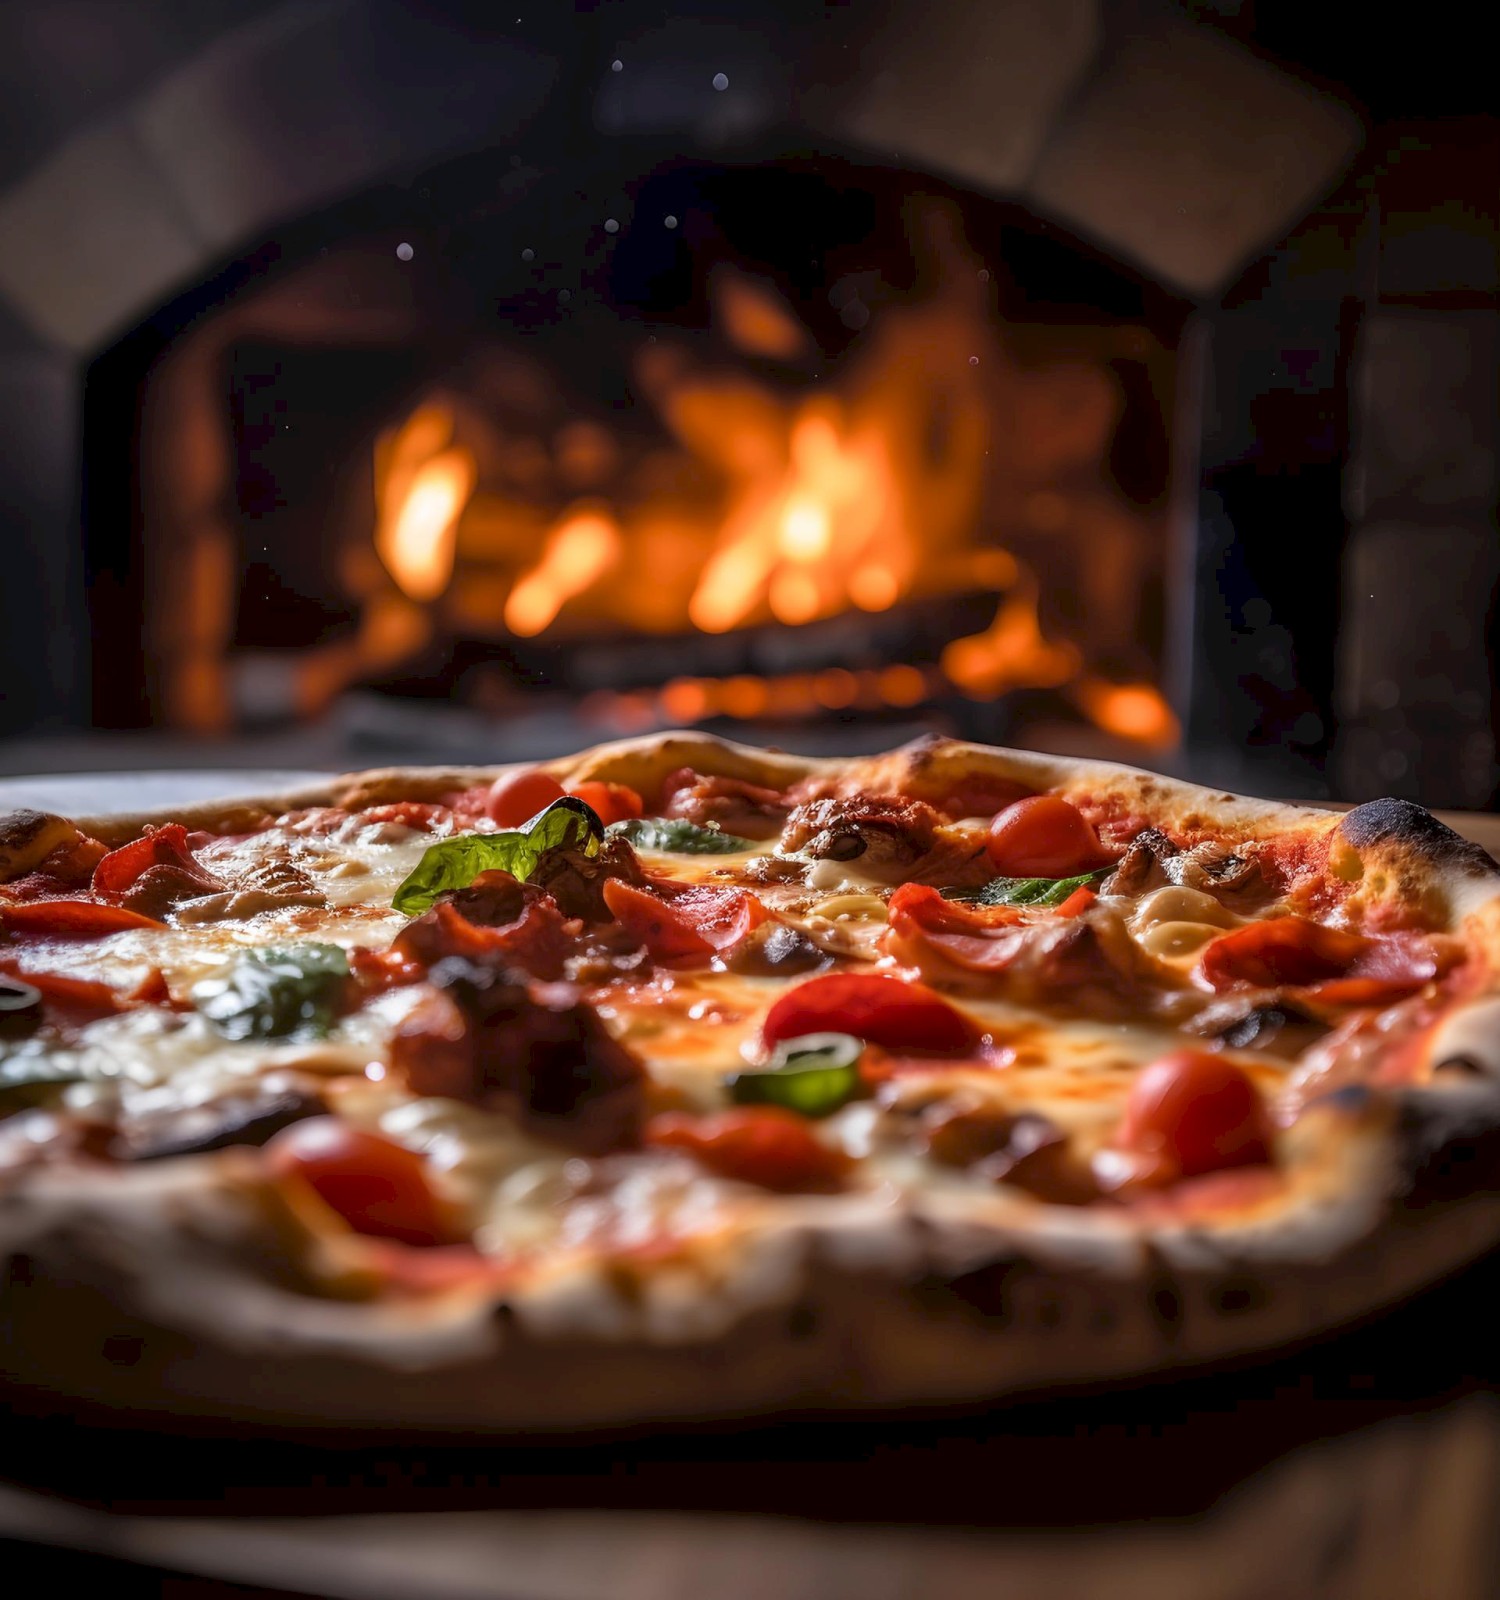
(578, 551)
(833, 531)
(1012, 652)
(1131, 710)
(893, 480)
(756, 319)
(422, 485)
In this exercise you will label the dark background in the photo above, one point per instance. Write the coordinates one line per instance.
(1340, 551)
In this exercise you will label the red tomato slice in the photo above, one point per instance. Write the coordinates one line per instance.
(763, 1145)
(879, 1008)
(376, 1186)
(158, 847)
(1044, 837)
(696, 922)
(1198, 1113)
(70, 1001)
(1078, 902)
(611, 802)
(1332, 964)
(518, 796)
(72, 919)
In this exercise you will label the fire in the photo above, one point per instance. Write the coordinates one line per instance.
(422, 484)
(1012, 652)
(876, 486)
(839, 501)
(579, 550)
(755, 318)
(1134, 711)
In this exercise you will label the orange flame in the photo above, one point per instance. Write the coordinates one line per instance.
(579, 550)
(876, 488)
(421, 489)
(1134, 711)
(756, 319)
(823, 537)
(1012, 652)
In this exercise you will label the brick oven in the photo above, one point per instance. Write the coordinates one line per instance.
(443, 386)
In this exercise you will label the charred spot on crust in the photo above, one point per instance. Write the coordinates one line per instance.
(1236, 1295)
(1413, 827)
(923, 751)
(28, 837)
(801, 1321)
(1165, 1303)
(987, 1290)
(123, 1349)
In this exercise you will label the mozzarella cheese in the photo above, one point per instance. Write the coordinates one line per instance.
(689, 1029)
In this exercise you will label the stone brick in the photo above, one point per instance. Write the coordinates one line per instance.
(968, 90)
(1414, 684)
(321, 100)
(91, 236)
(1426, 414)
(43, 630)
(1188, 155)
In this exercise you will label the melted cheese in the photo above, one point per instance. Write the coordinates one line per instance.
(357, 870)
(689, 1029)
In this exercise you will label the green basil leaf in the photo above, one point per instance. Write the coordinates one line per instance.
(566, 824)
(288, 993)
(814, 1075)
(1026, 891)
(679, 837)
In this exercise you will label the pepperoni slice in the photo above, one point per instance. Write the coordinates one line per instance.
(71, 1002)
(977, 938)
(1330, 964)
(158, 847)
(880, 1008)
(71, 919)
(763, 1145)
(695, 921)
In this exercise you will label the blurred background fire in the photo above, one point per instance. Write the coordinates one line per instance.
(386, 380)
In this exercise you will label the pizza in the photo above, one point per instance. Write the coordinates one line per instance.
(685, 1080)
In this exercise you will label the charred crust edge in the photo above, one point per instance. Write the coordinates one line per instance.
(1405, 824)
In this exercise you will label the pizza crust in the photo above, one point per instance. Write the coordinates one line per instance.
(167, 1289)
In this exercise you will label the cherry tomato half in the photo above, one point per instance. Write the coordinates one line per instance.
(1044, 837)
(879, 1008)
(518, 796)
(1199, 1112)
(756, 1144)
(376, 1186)
(613, 802)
